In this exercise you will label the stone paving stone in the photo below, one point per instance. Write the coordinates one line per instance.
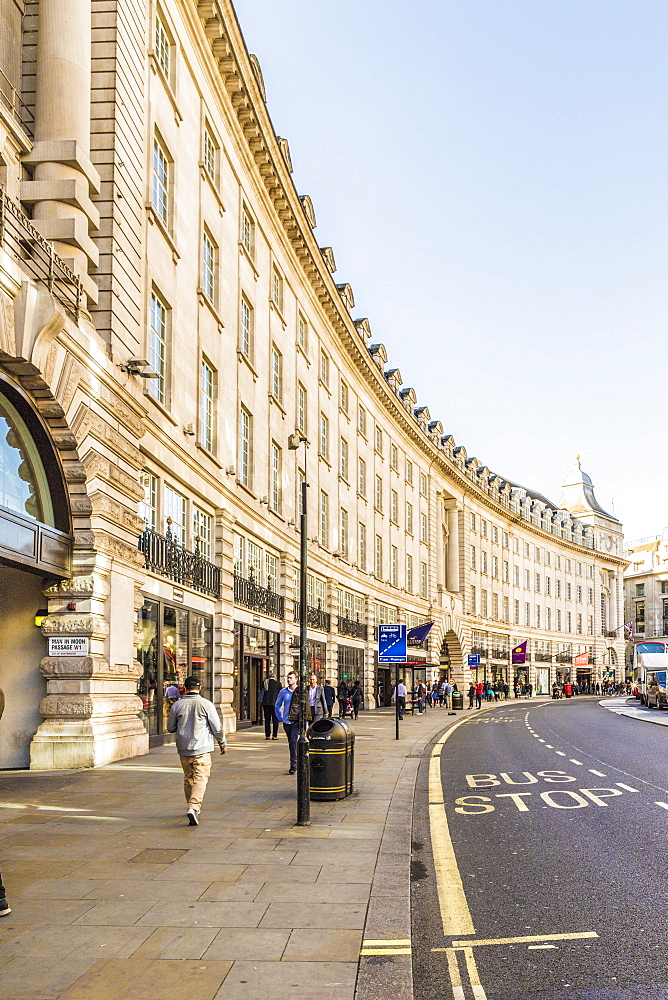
(280, 873)
(40, 942)
(280, 981)
(177, 914)
(257, 944)
(36, 912)
(57, 888)
(324, 944)
(157, 856)
(346, 874)
(146, 979)
(148, 889)
(116, 913)
(314, 915)
(177, 943)
(105, 870)
(231, 892)
(319, 892)
(212, 872)
(40, 979)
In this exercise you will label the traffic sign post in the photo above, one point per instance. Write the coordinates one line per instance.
(474, 660)
(393, 648)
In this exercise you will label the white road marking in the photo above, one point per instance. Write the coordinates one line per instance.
(599, 774)
(549, 746)
(574, 761)
(664, 805)
(560, 752)
(627, 788)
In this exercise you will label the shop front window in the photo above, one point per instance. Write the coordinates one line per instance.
(200, 653)
(147, 656)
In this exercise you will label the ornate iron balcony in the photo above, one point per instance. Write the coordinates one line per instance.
(315, 617)
(543, 657)
(564, 658)
(353, 628)
(480, 650)
(37, 258)
(263, 599)
(165, 555)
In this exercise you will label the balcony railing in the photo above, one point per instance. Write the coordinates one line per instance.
(499, 654)
(353, 628)
(564, 658)
(480, 650)
(165, 555)
(10, 97)
(36, 256)
(315, 617)
(543, 657)
(250, 595)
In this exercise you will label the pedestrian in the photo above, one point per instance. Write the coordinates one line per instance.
(172, 694)
(330, 697)
(399, 696)
(4, 905)
(287, 712)
(268, 695)
(478, 694)
(342, 695)
(447, 695)
(356, 698)
(471, 694)
(316, 699)
(196, 723)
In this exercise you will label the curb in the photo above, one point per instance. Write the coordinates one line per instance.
(381, 977)
(631, 712)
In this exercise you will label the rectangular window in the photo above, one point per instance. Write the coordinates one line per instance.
(483, 562)
(361, 420)
(527, 580)
(276, 373)
(557, 562)
(206, 403)
(409, 518)
(302, 333)
(277, 289)
(343, 397)
(174, 511)
(301, 409)
(203, 532)
(548, 618)
(506, 572)
(557, 614)
(483, 527)
(409, 574)
(640, 589)
(239, 554)
(157, 348)
(423, 528)
(547, 558)
(324, 519)
(394, 565)
(537, 583)
(343, 533)
(578, 594)
(423, 484)
(590, 595)
(472, 522)
(162, 47)
(276, 474)
(361, 546)
(568, 591)
(208, 267)
(424, 584)
(568, 621)
(472, 601)
(536, 553)
(379, 494)
(324, 367)
(548, 586)
(246, 328)
(578, 624)
(590, 625)
(343, 459)
(324, 436)
(271, 571)
(210, 154)
(578, 569)
(557, 588)
(505, 539)
(160, 191)
(409, 471)
(361, 477)
(516, 613)
(378, 560)
(245, 447)
(495, 607)
(495, 567)
(379, 441)
(506, 610)
(568, 565)
(527, 615)
(472, 556)
(526, 550)
(516, 575)
(148, 507)
(394, 457)
(516, 546)
(483, 603)
(394, 507)
(247, 232)
(495, 534)
(537, 616)
(255, 563)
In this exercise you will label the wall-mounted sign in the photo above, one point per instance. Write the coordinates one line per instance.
(68, 645)
(177, 595)
(474, 660)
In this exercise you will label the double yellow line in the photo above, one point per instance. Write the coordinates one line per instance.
(396, 946)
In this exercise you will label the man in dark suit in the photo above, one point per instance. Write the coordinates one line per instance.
(268, 695)
(316, 700)
(330, 696)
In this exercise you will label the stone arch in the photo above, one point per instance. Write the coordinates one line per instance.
(454, 641)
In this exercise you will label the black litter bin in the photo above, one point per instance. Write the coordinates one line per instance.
(457, 701)
(331, 759)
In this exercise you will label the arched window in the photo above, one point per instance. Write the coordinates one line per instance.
(24, 487)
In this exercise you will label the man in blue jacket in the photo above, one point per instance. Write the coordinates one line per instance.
(287, 712)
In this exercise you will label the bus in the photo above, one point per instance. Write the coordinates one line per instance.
(649, 656)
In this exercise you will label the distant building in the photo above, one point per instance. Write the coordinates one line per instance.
(646, 586)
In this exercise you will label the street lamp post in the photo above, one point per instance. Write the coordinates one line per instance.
(303, 782)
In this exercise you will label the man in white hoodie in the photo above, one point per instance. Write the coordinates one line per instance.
(195, 721)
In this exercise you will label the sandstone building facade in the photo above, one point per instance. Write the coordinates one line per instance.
(167, 319)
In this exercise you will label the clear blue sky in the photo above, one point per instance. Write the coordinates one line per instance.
(492, 177)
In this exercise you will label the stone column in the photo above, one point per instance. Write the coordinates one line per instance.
(64, 177)
(452, 566)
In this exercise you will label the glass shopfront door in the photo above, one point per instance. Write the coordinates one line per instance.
(175, 642)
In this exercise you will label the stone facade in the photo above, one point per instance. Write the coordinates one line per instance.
(143, 152)
(646, 586)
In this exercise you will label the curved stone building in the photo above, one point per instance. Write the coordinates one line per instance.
(167, 321)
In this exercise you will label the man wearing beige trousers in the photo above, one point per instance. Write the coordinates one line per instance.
(196, 724)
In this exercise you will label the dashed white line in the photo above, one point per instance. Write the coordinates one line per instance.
(599, 774)
(574, 761)
(627, 788)
(541, 741)
(664, 805)
(561, 754)
(549, 746)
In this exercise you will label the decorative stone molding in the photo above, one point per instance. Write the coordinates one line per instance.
(94, 626)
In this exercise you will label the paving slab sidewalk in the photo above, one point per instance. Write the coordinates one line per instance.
(115, 897)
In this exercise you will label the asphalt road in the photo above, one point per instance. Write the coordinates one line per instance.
(553, 828)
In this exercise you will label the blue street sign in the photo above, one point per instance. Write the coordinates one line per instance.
(392, 644)
(474, 659)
